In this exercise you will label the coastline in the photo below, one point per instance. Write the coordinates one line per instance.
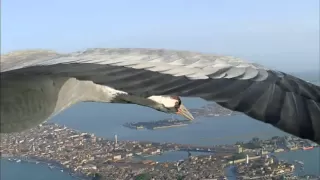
(169, 126)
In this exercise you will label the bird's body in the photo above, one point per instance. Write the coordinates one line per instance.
(282, 100)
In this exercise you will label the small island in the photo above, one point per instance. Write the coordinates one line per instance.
(153, 125)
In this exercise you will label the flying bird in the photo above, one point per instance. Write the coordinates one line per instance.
(37, 84)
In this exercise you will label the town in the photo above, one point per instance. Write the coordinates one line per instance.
(90, 157)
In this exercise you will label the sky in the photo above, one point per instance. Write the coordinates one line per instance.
(278, 34)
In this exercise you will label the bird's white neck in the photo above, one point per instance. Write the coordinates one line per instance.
(90, 91)
(165, 100)
(74, 91)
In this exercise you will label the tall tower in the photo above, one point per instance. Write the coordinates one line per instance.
(116, 139)
(247, 159)
(33, 148)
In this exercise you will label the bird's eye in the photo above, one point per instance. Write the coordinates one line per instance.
(176, 105)
(178, 102)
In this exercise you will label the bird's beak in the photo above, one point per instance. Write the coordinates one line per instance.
(183, 111)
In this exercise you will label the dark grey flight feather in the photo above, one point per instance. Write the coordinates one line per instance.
(277, 98)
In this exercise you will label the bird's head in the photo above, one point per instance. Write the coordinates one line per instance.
(172, 104)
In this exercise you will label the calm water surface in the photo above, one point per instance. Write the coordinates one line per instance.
(30, 171)
(106, 121)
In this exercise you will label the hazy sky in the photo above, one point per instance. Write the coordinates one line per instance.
(282, 34)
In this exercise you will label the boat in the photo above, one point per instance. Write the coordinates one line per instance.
(139, 127)
(307, 148)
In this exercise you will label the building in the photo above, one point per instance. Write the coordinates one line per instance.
(117, 157)
(239, 149)
(129, 155)
(89, 166)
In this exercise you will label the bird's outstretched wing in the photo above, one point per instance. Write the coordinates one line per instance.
(286, 102)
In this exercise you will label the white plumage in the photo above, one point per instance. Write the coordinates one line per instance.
(282, 100)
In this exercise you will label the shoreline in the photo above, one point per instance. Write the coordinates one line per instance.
(42, 161)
